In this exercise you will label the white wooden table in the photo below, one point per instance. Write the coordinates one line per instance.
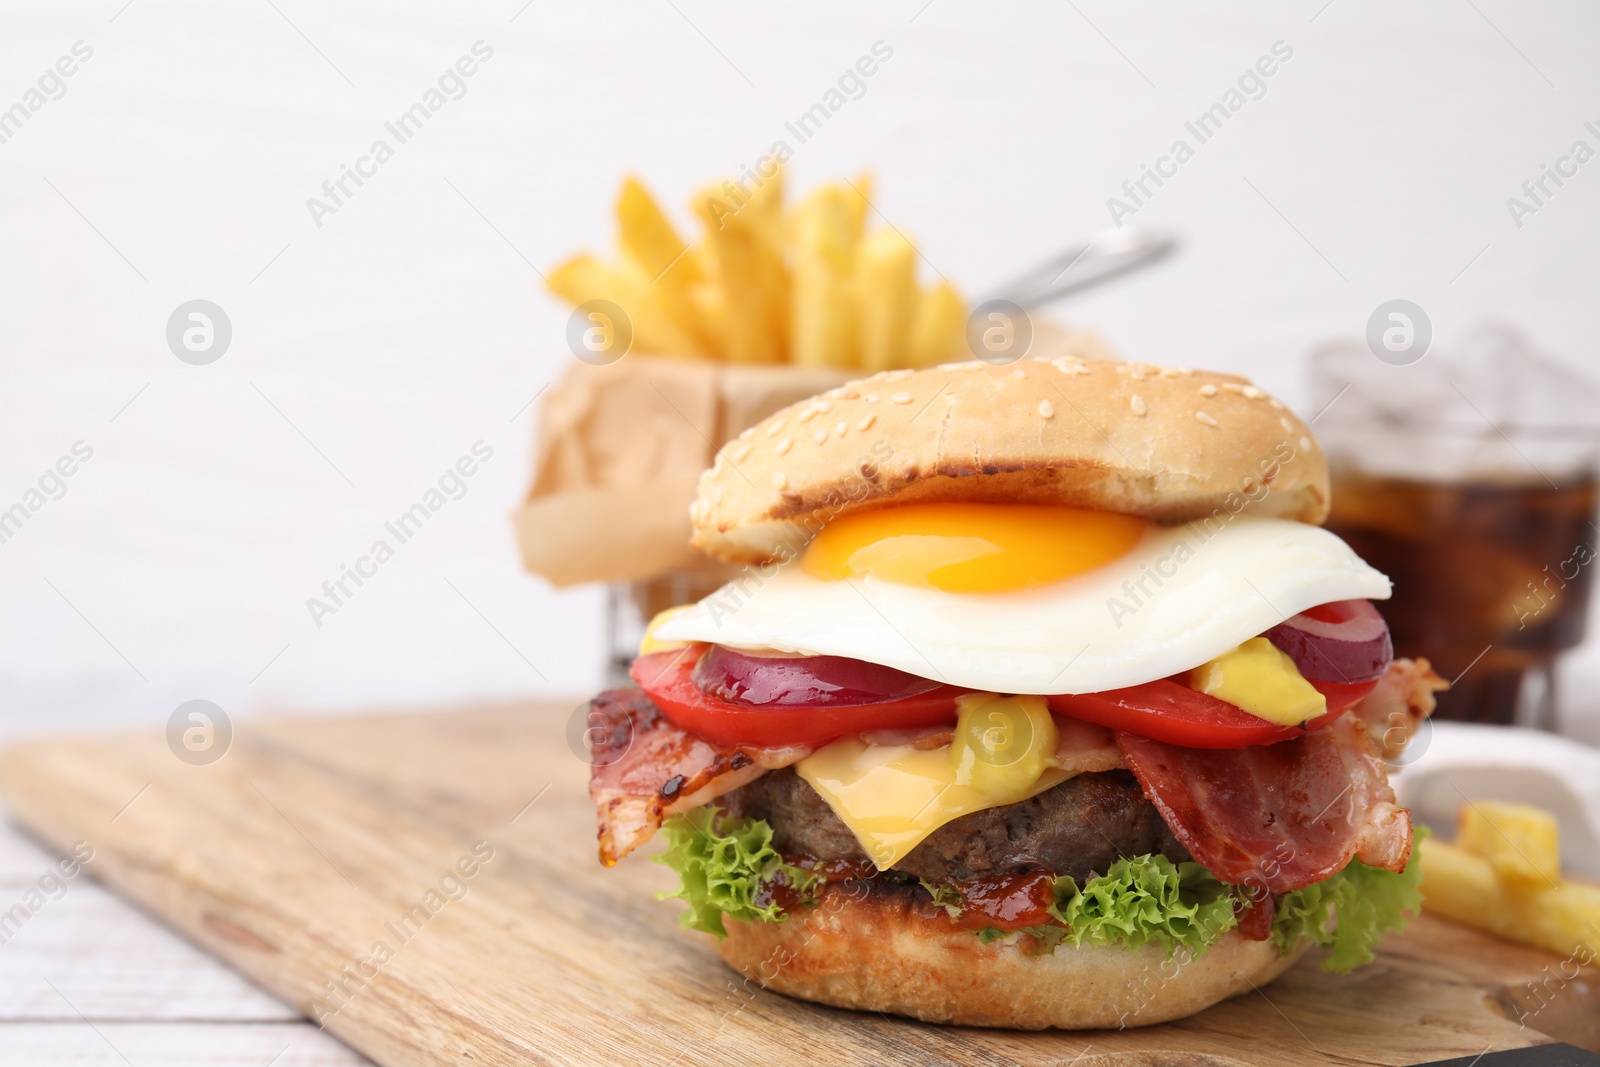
(88, 979)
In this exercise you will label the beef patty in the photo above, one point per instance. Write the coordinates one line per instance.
(1077, 828)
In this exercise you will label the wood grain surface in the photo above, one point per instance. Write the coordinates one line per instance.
(425, 886)
(91, 981)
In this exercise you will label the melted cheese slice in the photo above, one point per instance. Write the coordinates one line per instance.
(893, 796)
(1003, 751)
(1261, 680)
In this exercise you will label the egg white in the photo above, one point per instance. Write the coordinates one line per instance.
(1181, 596)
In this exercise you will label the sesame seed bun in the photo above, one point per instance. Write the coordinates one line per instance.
(879, 952)
(1165, 443)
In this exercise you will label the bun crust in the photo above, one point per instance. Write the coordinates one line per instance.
(1164, 443)
(883, 952)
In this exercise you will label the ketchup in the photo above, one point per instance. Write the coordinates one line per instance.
(1006, 901)
(778, 890)
(998, 901)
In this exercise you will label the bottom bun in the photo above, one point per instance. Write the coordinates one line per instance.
(879, 948)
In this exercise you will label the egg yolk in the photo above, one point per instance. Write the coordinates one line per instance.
(971, 548)
(650, 642)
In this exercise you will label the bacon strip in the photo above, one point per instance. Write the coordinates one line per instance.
(1399, 702)
(1083, 747)
(645, 769)
(1280, 816)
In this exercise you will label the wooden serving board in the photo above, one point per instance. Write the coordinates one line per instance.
(312, 842)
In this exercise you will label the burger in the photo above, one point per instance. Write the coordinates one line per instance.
(1041, 701)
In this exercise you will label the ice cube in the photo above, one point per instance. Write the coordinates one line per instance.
(1491, 407)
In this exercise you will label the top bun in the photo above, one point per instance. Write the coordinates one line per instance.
(1164, 443)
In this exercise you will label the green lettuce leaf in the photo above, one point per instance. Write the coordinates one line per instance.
(1360, 904)
(945, 896)
(722, 865)
(1144, 899)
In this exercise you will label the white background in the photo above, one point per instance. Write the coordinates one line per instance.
(369, 353)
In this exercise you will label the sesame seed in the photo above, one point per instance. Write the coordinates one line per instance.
(1252, 393)
(784, 446)
(746, 433)
(1019, 373)
(849, 394)
(1275, 402)
(1207, 419)
(866, 421)
(871, 398)
(1208, 390)
(718, 493)
(1305, 442)
(823, 406)
(1136, 402)
(696, 509)
(1137, 374)
(1169, 372)
(1046, 409)
(775, 426)
(740, 453)
(716, 464)
(840, 427)
(779, 479)
(806, 414)
(901, 398)
(896, 375)
(820, 436)
(1233, 387)
(1288, 427)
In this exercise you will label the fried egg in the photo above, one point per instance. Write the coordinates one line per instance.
(1030, 599)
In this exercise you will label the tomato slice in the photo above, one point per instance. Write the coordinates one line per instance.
(666, 679)
(1166, 710)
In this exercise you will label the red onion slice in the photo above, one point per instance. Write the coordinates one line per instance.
(783, 680)
(1345, 641)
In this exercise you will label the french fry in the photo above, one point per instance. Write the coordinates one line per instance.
(745, 238)
(858, 199)
(854, 197)
(1571, 913)
(647, 235)
(1462, 886)
(822, 322)
(1519, 840)
(711, 305)
(649, 242)
(763, 286)
(938, 331)
(583, 278)
(767, 203)
(886, 294)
